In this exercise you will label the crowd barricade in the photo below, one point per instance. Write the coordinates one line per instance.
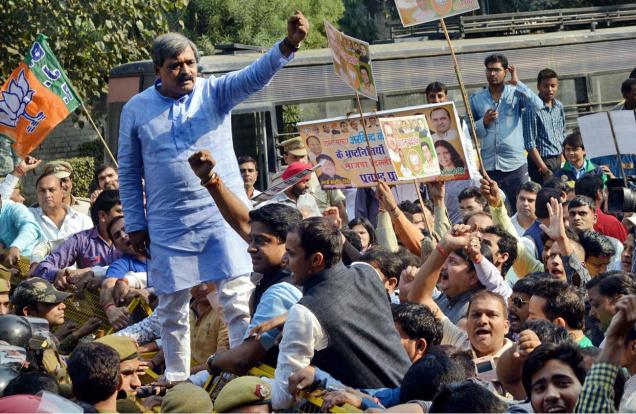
(80, 308)
(310, 402)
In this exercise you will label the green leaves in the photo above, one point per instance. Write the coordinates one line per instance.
(89, 38)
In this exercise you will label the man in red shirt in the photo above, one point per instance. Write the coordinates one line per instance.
(591, 185)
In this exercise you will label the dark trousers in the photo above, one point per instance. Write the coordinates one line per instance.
(509, 182)
(553, 163)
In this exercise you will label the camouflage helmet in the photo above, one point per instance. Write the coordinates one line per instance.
(36, 290)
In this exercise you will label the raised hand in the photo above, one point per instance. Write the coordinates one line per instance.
(490, 190)
(514, 75)
(385, 197)
(202, 164)
(333, 214)
(556, 231)
(297, 28)
(436, 191)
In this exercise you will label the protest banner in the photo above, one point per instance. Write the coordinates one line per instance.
(416, 156)
(414, 12)
(36, 97)
(283, 185)
(340, 145)
(352, 61)
(617, 127)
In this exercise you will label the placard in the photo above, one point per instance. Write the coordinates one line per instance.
(597, 133)
(283, 185)
(410, 147)
(352, 61)
(340, 146)
(414, 12)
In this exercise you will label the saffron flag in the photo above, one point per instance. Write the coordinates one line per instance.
(36, 97)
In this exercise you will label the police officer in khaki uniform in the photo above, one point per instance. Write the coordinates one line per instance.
(294, 150)
(247, 394)
(129, 369)
(37, 297)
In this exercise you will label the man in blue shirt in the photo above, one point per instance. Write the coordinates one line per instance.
(497, 111)
(188, 240)
(544, 129)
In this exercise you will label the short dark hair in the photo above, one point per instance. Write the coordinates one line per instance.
(324, 157)
(574, 140)
(31, 382)
(247, 158)
(632, 74)
(589, 185)
(441, 108)
(473, 192)
(507, 243)
(562, 301)
(418, 321)
(408, 206)
(105, 201)
(362, 221)
(466, 397)
(94, 372)
(317, 234)
(434, 370)
(44, 175)
(389, 264)
(627, 85)
(546, 74)
(614, 283)
(435, 87)
(566, 352)
(582, 201)
(548, 332)
(530, 187)
(595, 244)
(486, 294)
(557, 184)
(527, 284)
(279, 218)
(103, 168)
(543, 198)
(353, 238)
(496, 58)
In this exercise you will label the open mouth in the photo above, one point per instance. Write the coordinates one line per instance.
(482, 333)
(556, 409)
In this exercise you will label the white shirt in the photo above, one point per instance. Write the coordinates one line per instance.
(302, 336)
(7, 185)
(74, 222)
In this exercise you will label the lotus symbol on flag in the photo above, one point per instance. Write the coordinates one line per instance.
(14, 102)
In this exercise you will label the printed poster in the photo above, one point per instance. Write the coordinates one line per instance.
(414, 12)
(339, 145)
(283, 185)
(352, 61)
(410, 147)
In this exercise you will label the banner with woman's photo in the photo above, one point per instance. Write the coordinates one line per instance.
(351, 61)
(415, 157)
(340, 146)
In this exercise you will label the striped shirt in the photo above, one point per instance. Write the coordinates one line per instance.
(544, 129)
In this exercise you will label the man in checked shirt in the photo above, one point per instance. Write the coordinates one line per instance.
(544, 129)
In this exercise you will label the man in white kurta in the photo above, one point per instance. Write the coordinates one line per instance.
(187, 238)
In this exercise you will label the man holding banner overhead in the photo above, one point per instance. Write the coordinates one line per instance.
(186, 237)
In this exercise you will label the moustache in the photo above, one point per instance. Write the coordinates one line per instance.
(184, 78)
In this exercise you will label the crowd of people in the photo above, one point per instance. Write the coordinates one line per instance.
(513, 291)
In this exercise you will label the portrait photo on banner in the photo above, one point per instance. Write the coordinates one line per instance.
(414, 12)
(410, 147)
(340, 146)
(351, 61)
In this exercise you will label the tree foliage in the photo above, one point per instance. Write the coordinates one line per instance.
(255, 22)
(88, 37)
(358, 19)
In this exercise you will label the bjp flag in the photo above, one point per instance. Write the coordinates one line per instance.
(36, 97)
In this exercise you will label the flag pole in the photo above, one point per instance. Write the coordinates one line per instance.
(618, 152)
(366, 138)
(99, 134)
(465, 98)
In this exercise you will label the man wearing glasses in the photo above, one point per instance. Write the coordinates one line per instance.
(497, 111)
